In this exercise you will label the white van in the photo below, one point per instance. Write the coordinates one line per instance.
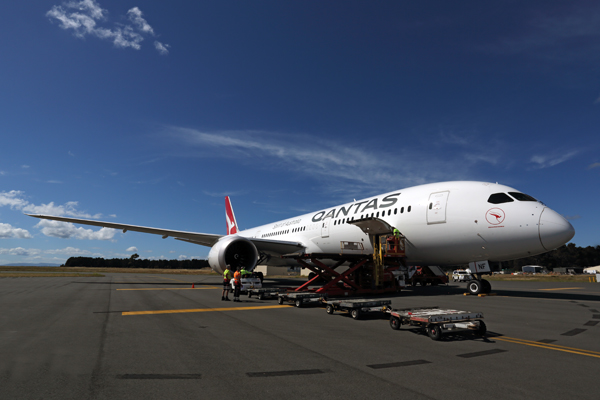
(460, 275)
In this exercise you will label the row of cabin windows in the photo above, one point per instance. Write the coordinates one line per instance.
(499, 198)
(276, 233)
(303, 228)
(376, 215)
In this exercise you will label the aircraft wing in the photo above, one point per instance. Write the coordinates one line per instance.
(204, 239)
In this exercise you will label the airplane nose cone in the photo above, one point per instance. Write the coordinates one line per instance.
(554, 229)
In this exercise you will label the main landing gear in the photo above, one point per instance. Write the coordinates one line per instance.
(477, 286)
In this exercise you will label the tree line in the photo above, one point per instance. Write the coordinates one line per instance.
(567, 256)
(134, 262)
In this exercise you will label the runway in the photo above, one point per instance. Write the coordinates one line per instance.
(153, 336)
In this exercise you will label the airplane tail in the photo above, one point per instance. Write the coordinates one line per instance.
(230, 216)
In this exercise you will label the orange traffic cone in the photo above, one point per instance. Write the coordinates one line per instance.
(192, 285)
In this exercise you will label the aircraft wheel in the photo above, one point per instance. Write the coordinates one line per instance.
(434, 332)
(355, 313)
(280, 300)
(329, 309)
(486, 286)
(474, 287)
(395, 323)
(299, 303)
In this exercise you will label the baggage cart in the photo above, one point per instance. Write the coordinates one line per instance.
(265, 293)
(438, 322)
(357, 307)
(299, 298)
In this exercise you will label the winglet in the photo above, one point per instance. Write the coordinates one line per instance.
(230, 216)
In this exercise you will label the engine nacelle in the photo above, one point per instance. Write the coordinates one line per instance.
(234, 250)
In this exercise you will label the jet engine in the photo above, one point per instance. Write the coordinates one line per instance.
(234, 250)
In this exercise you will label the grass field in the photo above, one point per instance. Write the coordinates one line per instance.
(541, 278)
(46, 275)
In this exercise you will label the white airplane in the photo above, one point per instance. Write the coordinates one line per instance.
(446, 223)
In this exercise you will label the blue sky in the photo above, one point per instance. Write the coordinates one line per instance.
(150, 112)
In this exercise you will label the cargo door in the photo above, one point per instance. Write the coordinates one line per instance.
(436, 208)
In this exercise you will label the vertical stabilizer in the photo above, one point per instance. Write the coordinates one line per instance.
(230, 216)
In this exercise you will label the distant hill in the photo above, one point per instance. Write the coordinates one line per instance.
(31, 265)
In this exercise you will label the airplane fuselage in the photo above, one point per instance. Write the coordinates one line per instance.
(445, 223)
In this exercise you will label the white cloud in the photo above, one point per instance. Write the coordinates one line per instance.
(550, 160)
(594, 165)
(37, 253)
(66, 230)
(345, 167)
(135, 16)
(20, 251)
(69, 251)
(8, 231)
(15, 200)
(132, 249)
(163, 49)
(83, 18)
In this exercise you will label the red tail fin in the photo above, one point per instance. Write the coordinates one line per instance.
(230, 216)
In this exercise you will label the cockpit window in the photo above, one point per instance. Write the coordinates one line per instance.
(498, 198)
(521, 196)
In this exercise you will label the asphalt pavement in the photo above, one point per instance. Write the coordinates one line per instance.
(153, 336)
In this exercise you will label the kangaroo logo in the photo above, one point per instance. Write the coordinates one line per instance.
(230, 224)
(495, 216)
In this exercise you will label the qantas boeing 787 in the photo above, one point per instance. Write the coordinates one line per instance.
(446, 223)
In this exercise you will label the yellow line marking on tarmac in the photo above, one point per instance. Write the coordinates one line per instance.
(567, 288)
(193, 310)
(189, 288)
(549, 346)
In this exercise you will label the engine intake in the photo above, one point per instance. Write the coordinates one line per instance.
(234, 250)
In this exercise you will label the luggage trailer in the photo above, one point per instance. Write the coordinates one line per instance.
(299, 298)
(357, 307)
(266, 293)
(438, 322)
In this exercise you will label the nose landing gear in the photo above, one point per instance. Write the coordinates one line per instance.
(477, 286)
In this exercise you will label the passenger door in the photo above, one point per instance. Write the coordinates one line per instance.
(325, 227)
(436, 208)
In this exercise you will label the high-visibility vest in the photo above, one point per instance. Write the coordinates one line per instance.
(227, 275)
(236, 277)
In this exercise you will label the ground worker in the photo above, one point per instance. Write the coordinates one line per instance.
(245, 272)
(226, 280)
(237, 285)
(396, 240)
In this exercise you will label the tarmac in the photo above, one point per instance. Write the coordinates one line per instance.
(129, 336)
